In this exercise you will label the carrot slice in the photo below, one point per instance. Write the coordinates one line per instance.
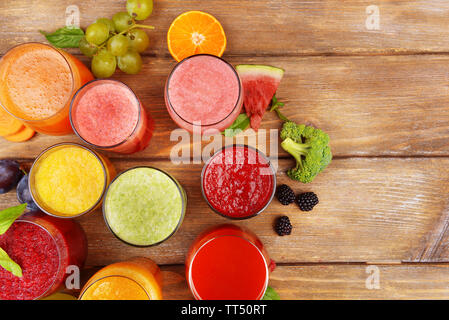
(23, 135)
(8, 124)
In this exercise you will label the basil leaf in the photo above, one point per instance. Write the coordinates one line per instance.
(67, 37)
(7, 263)
(270, 294)
(240, 124)
(8, 216)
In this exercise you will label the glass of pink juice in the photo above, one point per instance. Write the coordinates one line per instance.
(238, 182)
(44, 247)
(204, 92)
(106, 114)
(227, 262)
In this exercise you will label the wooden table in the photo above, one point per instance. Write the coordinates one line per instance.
(382, 95)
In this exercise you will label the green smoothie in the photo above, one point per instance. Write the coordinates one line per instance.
(144, 206)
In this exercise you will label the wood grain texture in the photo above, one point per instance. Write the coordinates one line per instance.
(370, 106)
(382, 95)
(334, 281)
(287, 27)
(370, 210)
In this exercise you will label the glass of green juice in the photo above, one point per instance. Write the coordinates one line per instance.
(144, 206)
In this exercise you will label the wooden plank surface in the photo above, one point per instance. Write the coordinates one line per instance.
(370, 106)
(382, 95)
(281, 27)
(371, 210)
(334, 281)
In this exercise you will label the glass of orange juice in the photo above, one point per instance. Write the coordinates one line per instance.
(37, 82)
(134, 279)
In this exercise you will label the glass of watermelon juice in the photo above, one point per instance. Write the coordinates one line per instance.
(204, 92)
(238, 182)
(227, 262)
(107, 115)
(44, 247)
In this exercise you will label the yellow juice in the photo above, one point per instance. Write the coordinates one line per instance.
(69, 180)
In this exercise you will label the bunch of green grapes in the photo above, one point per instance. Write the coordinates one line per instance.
(118, 41)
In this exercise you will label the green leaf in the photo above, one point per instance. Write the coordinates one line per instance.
(240, 124)
(67, 37)
(7, 263)
(275, 105)
(270, 294)
(8, 216)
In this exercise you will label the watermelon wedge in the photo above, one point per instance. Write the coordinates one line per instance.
(260, 83)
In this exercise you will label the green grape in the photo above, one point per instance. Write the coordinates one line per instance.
(139, 9)
(130, 63)
(104, 64)
(118, 45)
(89, 50)
(109, 23)
(122, 21)
(97, 33)
(138, 40)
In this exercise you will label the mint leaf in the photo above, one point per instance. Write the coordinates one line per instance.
(8, 216)
(7, 263)
(240, 124)
(67, 37)
(270, 294)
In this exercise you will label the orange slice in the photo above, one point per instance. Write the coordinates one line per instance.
(23, 135)
(8, 124)
(195, 32)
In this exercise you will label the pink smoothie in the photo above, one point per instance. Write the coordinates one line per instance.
(204, 88)
(105, 113)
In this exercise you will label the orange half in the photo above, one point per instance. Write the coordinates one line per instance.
(195, 32)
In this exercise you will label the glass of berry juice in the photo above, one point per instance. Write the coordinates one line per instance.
(204, 92)
(43, 247)
(106, 114)
(227, 262)
(37, 82)
(238, 182)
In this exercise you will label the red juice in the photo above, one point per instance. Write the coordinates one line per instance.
(238, 182)
(107, 115)
(227, 263)
(43, 247)
(203, 89)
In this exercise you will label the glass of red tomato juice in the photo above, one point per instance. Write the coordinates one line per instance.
(227, 262)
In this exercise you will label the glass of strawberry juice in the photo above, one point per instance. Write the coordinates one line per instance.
(238, 182)
(37, 82)
(106, 114)
(227, 262)
(204, 92)
(44, 247)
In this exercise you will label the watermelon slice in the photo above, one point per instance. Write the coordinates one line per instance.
(259, 85)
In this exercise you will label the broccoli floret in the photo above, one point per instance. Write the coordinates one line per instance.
(309, 146)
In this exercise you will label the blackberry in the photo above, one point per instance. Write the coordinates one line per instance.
(306, 201)
(285, 194)
(283, 226)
